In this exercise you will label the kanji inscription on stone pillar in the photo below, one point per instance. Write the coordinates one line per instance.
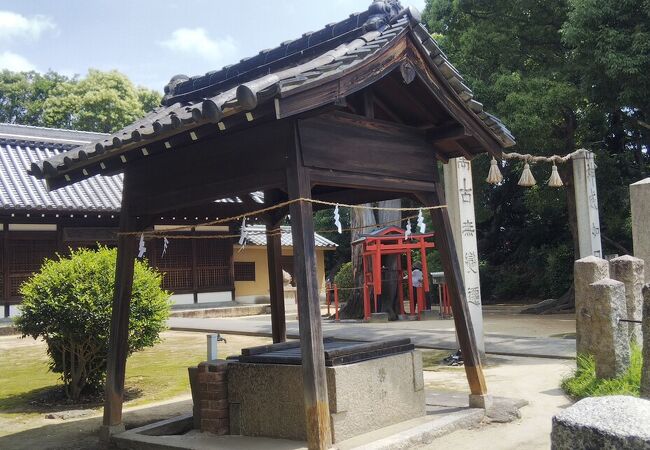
(584, 179)
(459, 193)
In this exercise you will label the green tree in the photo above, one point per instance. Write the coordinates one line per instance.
(22, 95)
(610, 53)
(102, 101)
(610, 49)
(562, 75)
(512, 55)
(68, 304)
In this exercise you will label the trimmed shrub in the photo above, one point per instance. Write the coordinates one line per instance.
(68, 304)
(343, 280)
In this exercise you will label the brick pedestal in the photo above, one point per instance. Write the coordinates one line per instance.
(210, 397)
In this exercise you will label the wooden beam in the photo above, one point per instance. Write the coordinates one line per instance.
(201, 194)
(119, 334)
(446, 133)
(450, 146)
(444, 240)
(388, 110)
(416, 102)
(314, 378)
(276, 281)
(353, 196)
(369, 103)
(348, 143)
(368, 182)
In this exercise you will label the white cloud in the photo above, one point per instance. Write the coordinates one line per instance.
(15, 63)
(196, 42)
(16, 26)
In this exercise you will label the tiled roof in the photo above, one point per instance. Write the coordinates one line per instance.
(257, 236)
(20, 146)
(239, 89)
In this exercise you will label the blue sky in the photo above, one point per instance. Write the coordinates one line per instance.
(152, 40)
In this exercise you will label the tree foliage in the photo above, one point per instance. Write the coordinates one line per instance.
(68, 304)
(101, 101)
(561, 75)
(22, 95)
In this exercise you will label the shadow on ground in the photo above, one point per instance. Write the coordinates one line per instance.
(52, 398)
(82, 434)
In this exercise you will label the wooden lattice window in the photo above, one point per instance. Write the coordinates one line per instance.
(213, 258)
(25, 254)
(176, 264)
(244, 271)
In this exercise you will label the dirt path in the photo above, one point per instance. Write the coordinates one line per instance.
(533, 379)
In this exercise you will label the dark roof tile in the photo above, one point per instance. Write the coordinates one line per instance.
(293, 66)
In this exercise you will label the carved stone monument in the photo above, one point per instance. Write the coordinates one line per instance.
(640, 206)
(459, 194)
(584, 179)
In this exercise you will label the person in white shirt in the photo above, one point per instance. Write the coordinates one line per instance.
(416, 275)
(417, 278)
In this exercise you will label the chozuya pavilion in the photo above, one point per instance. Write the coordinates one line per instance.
(359, 111)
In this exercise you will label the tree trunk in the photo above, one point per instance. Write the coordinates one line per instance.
(353, 309)
(389, 297)
(566, 302)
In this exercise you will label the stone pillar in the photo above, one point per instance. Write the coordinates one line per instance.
(586, 271)
(459, 195)
(584, 179)
(640, 205)
(629, 270)
(645, 371)
(612, 352)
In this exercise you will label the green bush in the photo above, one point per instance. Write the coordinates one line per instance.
(68, 303)
(344, 280)
(584, 383)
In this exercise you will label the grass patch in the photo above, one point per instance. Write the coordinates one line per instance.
(154, 374)
(584, 383)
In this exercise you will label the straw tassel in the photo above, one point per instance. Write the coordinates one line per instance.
(494, 175)
(555, 180)
(527, 179)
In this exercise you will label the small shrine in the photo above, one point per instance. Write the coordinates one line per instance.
(393, 240)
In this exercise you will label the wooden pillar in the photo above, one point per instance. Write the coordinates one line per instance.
(195, 273)
(444, 240)
(319, 434)
(5, 269)
(276, 281)
(118, 342)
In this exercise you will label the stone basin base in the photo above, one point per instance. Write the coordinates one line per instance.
(267, 399)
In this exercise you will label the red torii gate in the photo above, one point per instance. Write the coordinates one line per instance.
(389, 241)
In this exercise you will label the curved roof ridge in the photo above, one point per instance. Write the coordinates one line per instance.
(379, 14)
